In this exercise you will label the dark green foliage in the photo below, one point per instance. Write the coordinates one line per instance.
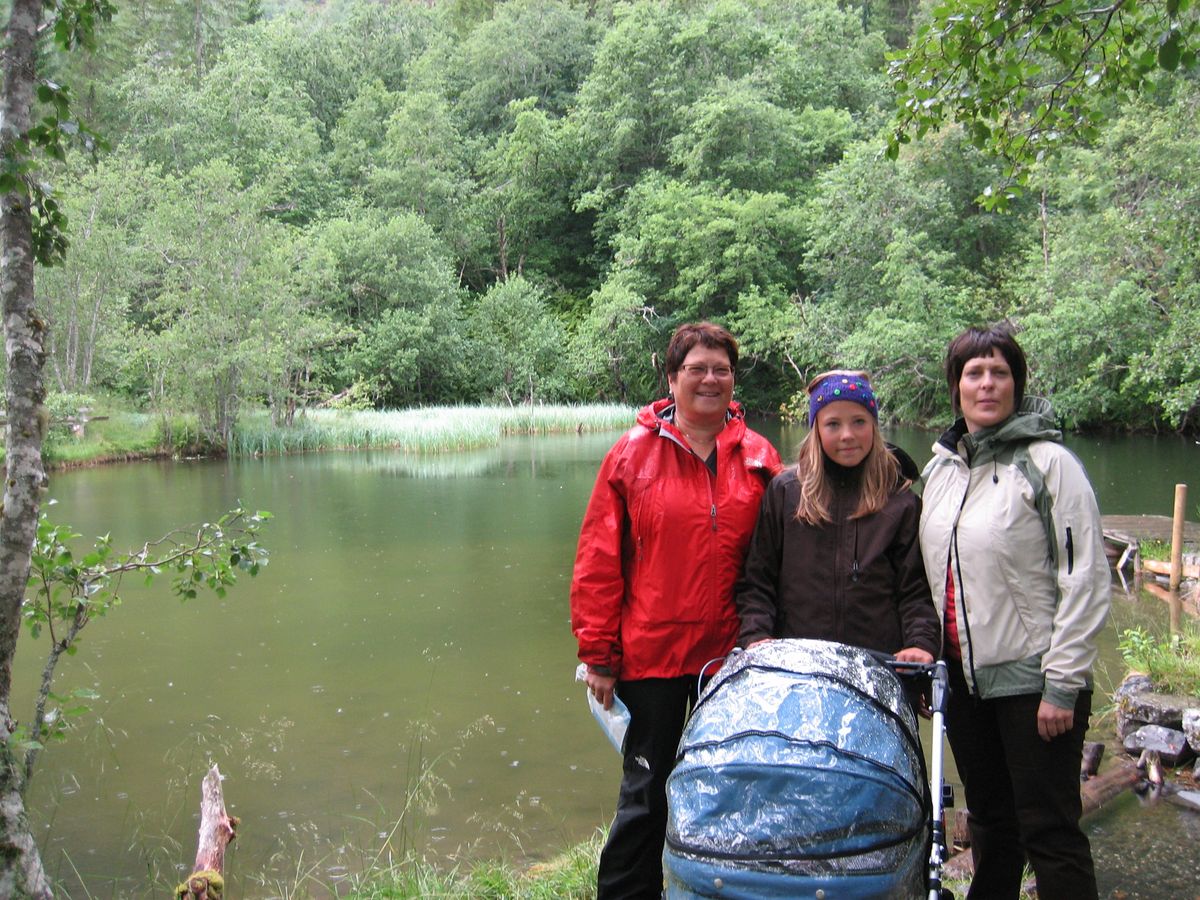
(518, 201)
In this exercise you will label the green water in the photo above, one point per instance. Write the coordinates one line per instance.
(413, 619)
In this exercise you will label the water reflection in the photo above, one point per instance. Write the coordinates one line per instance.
(400, 676)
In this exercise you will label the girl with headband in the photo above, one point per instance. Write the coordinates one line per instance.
(835, 554)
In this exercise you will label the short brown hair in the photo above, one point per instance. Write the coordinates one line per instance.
(706, 334)
(976, 342)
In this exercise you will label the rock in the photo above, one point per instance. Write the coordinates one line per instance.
(1191, 727)
(1134, 683)
(1137, 707)
(1170, 745)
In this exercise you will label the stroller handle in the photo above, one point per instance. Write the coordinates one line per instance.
(939, 676)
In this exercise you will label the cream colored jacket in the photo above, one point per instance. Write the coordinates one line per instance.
(1012, 514)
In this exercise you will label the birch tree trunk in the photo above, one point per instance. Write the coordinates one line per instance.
(21, 872)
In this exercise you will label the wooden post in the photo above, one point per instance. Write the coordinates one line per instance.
(1177, 537)
(217, 831)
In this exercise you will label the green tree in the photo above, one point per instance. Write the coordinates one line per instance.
(664, 68)
(360, 133)
(861, 206)
(327, 53)
(228, 300)
(516, 344)
(87, 300)
(240, 112)
(524, 179)
(694, 252)
(736, 134)
(528, 48)
(1111, 293)
(393, 280)
(902, 342)
(613, 348)
(1027, 78)
(30, 233)
(423, 167)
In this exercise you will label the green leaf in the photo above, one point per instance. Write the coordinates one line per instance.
(1169, 52)
(980, 133)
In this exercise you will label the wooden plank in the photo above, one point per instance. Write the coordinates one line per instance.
(1160, 567)
(1128, 529)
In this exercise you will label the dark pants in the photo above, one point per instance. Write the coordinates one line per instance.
(631, 862)
(1022, 794)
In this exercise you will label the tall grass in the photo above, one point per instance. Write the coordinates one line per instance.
(119, 435)
(1172, 662)
(570, 876)
(434, 429)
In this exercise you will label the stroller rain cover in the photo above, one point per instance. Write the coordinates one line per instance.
(800, 771)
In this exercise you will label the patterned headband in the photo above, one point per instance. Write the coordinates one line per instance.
(837, 386)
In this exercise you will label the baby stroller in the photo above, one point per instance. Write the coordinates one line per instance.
(800, 774)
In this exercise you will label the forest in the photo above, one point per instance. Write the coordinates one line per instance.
(278, 205)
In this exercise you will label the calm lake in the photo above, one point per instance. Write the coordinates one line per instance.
(400, 675)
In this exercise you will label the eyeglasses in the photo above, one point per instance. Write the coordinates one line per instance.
(719, 372)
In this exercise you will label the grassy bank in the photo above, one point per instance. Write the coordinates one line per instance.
(570, 876)
(113, 435)
(426, 430)
(1171, 661)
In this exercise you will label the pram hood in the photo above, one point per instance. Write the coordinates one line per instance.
(800, 768)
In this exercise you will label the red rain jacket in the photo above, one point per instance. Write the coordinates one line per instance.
(662, 544)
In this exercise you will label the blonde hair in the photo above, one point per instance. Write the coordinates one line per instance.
(880, 471)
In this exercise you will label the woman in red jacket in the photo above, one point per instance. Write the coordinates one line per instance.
(662, 543)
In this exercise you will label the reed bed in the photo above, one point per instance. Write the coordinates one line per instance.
(438, 429)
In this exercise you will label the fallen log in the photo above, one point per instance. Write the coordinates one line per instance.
(217, 831)
(1095, 793)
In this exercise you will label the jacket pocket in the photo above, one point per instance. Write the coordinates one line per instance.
(1070, 551)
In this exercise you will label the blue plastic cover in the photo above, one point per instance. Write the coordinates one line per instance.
(799, 769)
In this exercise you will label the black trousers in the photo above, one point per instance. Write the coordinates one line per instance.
(631, 861)
(1022, 794)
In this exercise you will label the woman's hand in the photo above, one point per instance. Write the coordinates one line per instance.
(602, 687)
(1053, 720)
(914, 655)
(924, 657)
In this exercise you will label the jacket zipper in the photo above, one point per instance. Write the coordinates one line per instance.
(1070, 551)
(712, 500)
(960, 593)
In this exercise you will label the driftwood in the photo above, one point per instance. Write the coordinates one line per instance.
(217, 831)
(1095, 793)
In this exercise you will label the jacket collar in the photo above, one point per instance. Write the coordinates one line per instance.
(660, 412)
(1033, 421)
